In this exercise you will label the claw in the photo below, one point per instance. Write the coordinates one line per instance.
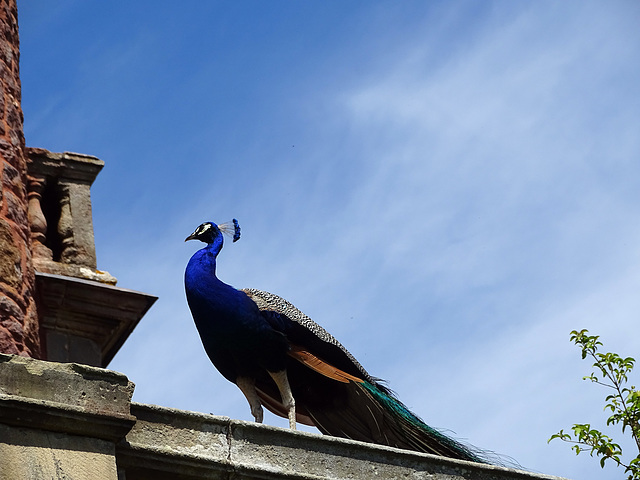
(248, 387)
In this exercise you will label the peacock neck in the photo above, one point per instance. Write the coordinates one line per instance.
(207, 255)
(214, 304)
(201, 269)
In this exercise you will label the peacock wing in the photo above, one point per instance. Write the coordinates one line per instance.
(306, 334)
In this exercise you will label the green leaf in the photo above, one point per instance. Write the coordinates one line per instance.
(610, 370)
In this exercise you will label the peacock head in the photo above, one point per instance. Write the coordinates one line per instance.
(208, 232)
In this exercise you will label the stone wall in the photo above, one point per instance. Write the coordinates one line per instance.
(18, 318)
(75, 422)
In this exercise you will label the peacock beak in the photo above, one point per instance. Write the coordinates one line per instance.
(191, 237)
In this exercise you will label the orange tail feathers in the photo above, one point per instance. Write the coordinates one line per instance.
(320, 366)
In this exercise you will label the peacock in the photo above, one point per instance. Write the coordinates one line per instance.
(281, 359)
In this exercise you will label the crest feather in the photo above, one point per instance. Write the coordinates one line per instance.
(231, 229)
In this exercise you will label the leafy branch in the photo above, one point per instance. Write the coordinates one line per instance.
(611, 371)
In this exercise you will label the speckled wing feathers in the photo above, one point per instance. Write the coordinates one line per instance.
(270, 302)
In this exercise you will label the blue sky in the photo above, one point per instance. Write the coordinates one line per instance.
(448, 187)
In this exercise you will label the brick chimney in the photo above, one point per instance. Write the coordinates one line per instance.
(18, 318)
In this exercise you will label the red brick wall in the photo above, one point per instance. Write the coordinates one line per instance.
(18, 319)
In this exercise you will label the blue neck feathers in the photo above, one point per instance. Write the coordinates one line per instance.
(201, 269)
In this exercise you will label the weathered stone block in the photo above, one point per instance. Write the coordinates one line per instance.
(29, 454)
(11, 178)
(61, 421)
(10, 257)
(8, 344)
(91, 389)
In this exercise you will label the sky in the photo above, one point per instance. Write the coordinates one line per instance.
(448, 187)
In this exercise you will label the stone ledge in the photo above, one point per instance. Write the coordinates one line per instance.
(168, 443)
(66, 398)
(56, 417)
(36, 454)
(76, 166)
(46, 266)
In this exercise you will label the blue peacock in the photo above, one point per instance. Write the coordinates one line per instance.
(281, 359)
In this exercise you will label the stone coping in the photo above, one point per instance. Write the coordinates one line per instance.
(72, 401)
(189, 445)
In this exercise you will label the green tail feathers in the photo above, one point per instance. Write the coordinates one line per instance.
(415, 432)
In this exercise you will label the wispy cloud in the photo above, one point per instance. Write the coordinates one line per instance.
(448, 188)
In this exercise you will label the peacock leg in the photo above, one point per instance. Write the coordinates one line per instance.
(248, 387)
(287, 397)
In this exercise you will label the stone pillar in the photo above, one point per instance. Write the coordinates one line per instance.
(59, 189)
(18, 318)
(84, 317)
